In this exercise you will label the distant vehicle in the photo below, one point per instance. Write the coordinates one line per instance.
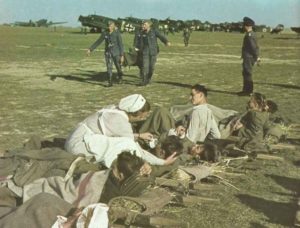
(130, 24)
(192, 25)
(39, 23)
(235, 27)
(296, 29)
(278, 29)
(96, 23)
(205, 26)
(172, 25)
(262, 28)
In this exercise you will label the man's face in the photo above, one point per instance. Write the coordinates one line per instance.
(159, 152)
(140, 117)
(143, 115)
(247, 28)
(146, 26)
(116, 173)
(252, 104)
(196, 97)
(197, 150)
(111, 27)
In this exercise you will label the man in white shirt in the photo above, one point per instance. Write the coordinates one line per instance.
(202, 124)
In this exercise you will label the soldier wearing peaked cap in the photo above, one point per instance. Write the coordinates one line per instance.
(250, 55)
(114, 51)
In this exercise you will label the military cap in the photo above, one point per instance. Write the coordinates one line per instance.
(248, 21)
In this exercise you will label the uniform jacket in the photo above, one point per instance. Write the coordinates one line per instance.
(137, 39)
(186, 33)
(147, 42)
(250, 47)
(113, 43)
(254, 123)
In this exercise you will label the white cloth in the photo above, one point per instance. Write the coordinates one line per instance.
(98, 219)
(220, 113)
(173, 131)
(132, 103)
(114, 123)
(108, 121)
(202, 124)
(179, 111)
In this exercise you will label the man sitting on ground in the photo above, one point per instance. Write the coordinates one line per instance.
(202, 124)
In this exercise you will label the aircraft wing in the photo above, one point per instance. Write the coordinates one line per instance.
(56, 23)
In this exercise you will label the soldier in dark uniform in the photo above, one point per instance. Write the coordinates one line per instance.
(186, 36)
(114, 51)
(250, 55)
(149, 48)
(137, 47)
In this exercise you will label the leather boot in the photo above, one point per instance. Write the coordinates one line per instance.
(110, 83)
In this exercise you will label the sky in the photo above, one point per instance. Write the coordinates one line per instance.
(267, 12)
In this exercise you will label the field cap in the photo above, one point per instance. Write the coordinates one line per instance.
(132, 103)
(248, 21)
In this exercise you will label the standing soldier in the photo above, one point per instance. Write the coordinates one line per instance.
(114, 51)
(186, 36)
(250, 55)
(137, 42)
(149, 49)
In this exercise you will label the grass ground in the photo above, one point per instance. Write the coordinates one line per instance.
(48, 85)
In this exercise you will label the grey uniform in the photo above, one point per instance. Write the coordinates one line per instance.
(113, 51)
(186, 37)
(149, 50)
(250, 53)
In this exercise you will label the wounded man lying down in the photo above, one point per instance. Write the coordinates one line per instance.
(60, 196)
(106, 149)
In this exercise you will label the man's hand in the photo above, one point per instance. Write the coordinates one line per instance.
(258, 61)
(146, 136)
(72, 219)
(168, 44)
(122, 59)
(88, 52)
(171, 159)
(236, 125)
(146, 169)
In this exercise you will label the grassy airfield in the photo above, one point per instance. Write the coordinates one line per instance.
(48, 85)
